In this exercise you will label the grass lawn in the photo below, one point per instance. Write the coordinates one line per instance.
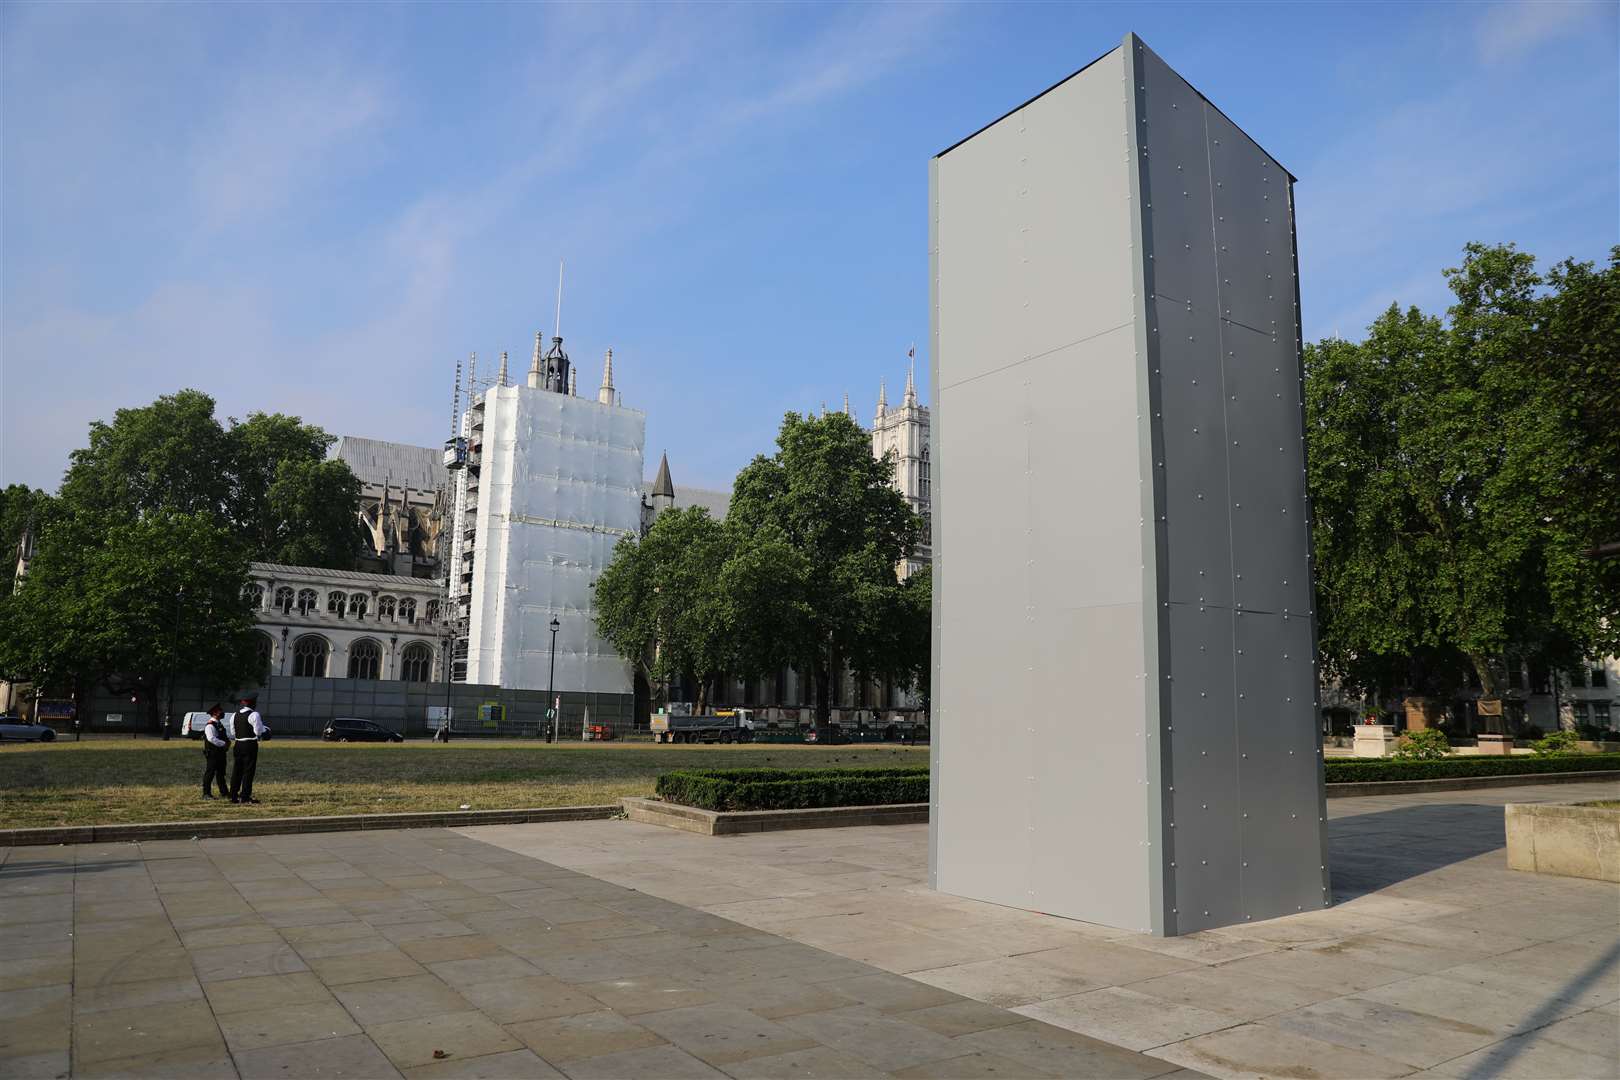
(105, 781)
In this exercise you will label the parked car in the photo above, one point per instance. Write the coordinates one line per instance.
(192, 724)
(14, 729)
(354, 729)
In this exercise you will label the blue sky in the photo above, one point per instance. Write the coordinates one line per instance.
(318, 209)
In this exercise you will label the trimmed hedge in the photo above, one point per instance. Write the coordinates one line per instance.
(793, 789)
(1357, 770)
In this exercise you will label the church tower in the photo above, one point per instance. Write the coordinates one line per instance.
(904, 433)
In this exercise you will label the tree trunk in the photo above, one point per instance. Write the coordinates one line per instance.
(1490, 695)
(823, 700)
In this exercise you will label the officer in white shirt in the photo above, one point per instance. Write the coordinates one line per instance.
(247, 728)
(215, 742)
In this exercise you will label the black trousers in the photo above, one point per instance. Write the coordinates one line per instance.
(214, 766)
(247, 759)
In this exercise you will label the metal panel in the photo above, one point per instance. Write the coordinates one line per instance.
(1202, 734)
(1039, 568)
(1183, 247)
(1196, 505)
(1266, 457)
(1277, 766)
(1253, 228)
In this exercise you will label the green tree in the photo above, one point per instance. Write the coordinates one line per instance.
(662, 602)
(825, 497)
(130, 603)
(1444, 485)
(21, 508)
(169, 455)
(259, 449)
(310, 508)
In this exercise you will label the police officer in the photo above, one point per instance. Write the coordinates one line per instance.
(247, 728)
(215, 741)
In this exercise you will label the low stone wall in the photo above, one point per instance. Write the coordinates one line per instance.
(199, 830)
(1570, 841)
(726, 823)
(1357, 788)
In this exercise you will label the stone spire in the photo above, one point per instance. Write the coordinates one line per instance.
(500, 380)
(605, 394)
(573, 382)
(846, 403)
(536, 375)
(883, 397)
(911, 383)
(662, 484)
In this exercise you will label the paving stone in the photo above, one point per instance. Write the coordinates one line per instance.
(266, 992)
(51, 1065)
(535, 997)
(462, 1035)
(1061, 1053)
(960, 1018)
(285, 1024)
(151, 992)
(30, 971)
(877, 1039)
(663, 1062)
(568, 1038)
(627, 997)
(722, 1033)
(36, 1020)
(416, 931)
(891, 993)
(775, 998)
(1237, 994)
(140, 1031)
(1532, 1056)
(1126, 1018)
(478, 969)
(354, 1057)
(460, 947)
(385, 963)
(815, 1063)
(404, 998)
(207, 1062)
(970, 1066)
(1318, 971)
(1005, 981)
(246, 932)
(513, 1065)
(1258, 1051)
(221, 962)
(1103, 963)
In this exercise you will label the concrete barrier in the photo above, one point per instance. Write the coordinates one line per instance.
(731, 822)
(1570, 841)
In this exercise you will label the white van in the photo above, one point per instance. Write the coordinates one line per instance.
(192, 724)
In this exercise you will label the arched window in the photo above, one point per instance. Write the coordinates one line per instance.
(307, 599)
(407, 609)
(284, 599)
(254, 595)
(416, 663)
(927, 476)
(357, 604)
(365, 659)
(266, 647)
(309, 656)
(432, 611)
(335, 602)
(385, 607)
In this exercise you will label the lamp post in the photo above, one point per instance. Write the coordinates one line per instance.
(551, 684)
(174, 648)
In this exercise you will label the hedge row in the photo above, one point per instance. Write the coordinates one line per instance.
(793, 789)
(1342, 771)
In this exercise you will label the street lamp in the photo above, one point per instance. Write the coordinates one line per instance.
(174, 648)
(551, 685)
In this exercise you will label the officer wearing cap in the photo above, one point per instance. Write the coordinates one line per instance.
(216, 738)
(247, 728)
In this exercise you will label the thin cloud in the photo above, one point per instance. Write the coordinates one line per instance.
(1508, 31)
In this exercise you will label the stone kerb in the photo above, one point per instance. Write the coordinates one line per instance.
(725, 823)
(1569, 841)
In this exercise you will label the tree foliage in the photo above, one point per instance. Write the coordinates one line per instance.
(21, 508)
(1461, 472)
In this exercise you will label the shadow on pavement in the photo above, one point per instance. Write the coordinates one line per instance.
(1368, 852)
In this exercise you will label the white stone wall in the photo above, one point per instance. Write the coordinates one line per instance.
(393, 633)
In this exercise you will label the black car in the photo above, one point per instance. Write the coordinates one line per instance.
(354, 729)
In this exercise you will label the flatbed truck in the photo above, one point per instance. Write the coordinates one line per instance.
(722, 726)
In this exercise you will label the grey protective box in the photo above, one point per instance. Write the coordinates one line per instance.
(1124, 681)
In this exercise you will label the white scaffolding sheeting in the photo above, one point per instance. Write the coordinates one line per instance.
(560, 486)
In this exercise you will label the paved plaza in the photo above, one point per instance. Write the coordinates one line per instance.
(612, 949)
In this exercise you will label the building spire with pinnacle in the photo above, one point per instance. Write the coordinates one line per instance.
(662, 484)
(846, 403)
(500, 379)
(573, 382)
(883, 398)
(605, 394)
(536, 376)
(911, 380)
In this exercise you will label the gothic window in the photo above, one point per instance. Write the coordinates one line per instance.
(307, 599)
(357, 605)
(432, 611)
(265, 646)
(365, 659)
(926, 475)
(407, 609)
(284, 599)
(416, 663)
(385, 607)
(309, 656)
(254, 595)
(335, 602)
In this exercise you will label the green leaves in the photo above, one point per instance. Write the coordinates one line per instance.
(1454, 489)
